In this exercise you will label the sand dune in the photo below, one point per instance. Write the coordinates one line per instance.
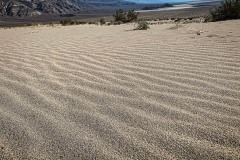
(108, 92)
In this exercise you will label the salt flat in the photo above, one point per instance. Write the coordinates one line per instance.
(110, 92)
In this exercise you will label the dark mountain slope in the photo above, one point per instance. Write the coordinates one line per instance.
(38, 7)
(22, 8)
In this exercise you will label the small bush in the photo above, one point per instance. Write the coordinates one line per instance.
(208, 18)
(120, 15)
(177, 19)
(142, 25)
(229, 9)
(68, 22)
(132, 15)
(93, 23)
(102, 20)
(176, 26)
(117, 23)
(73, 23)
(124, 17)
(81, 22)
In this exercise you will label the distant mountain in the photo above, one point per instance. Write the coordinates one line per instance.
(38, 7)
(157, 6)
(21, 8)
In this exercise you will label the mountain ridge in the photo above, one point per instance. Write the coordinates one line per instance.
(21, 8)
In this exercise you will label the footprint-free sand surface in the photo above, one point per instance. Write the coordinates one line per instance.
(110, 92)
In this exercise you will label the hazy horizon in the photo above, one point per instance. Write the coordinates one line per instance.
(168, 1)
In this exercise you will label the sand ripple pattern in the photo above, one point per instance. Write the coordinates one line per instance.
(106, 92)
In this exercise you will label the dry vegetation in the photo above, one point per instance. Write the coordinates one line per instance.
(229, 9)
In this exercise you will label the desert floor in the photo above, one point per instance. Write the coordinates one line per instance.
(111, 92)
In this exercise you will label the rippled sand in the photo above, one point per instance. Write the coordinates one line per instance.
(108, 92)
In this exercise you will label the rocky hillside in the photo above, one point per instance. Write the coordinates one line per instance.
(38, 7)
(21, 8)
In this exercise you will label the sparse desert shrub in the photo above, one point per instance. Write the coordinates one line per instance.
(117, 23)
(102, 20)
(66, 22)
(142, 25)
(177, 19)
(229, 9)
(93, 23)
(132, 15)
(81, 22)
(124, 17)
(208, 18)
(72, 22)
(51, 24)
(120, 15)
(176, 26)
